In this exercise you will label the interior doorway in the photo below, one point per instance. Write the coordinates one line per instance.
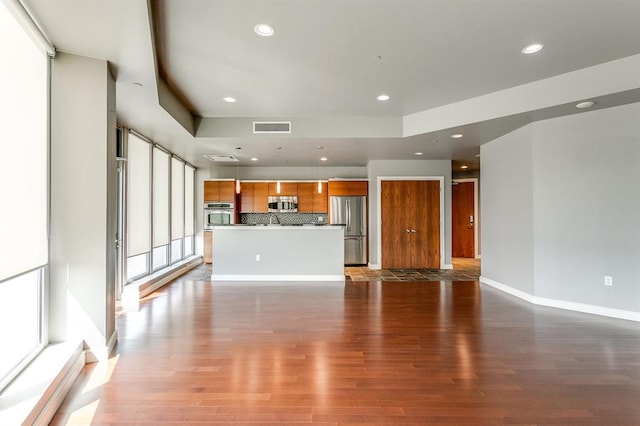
(410, 224)
(464, 218)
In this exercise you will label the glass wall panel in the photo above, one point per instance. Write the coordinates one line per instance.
(20, 317)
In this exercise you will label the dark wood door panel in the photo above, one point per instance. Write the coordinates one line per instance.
(462, 209)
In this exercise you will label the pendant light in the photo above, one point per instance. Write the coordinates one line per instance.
(278, 148)
(237, 175)
(318, 172)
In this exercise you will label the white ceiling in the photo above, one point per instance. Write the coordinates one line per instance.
(321, 63)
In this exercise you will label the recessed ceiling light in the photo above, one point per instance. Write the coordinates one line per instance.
(532, 48)
(383, 97)
(464, 167)
(377, 58)
(278, 148)
(229, 99)
(417, 153)
(456, 135)
(585, 104)
(323, 158)
(320, 147)
(254, 159)
(264, 30)
(138, 84)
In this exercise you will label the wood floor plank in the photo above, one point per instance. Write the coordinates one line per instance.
(369, 352)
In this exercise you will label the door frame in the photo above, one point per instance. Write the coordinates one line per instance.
(476, 219)
(443, 265)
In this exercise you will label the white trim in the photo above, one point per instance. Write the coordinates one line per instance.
(277, 278)
(563, 304)
(447, 266)
(476, 223)
(29, 24)
(101, 353)
(35, 395)
(379, 210)
(374, 266)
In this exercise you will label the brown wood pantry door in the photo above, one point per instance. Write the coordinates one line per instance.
(410, 231)
(463, 220)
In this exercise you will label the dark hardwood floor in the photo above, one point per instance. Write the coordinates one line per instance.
(364, 352)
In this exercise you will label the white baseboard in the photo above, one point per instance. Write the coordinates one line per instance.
(102, 353)
(447, 266)
(374, 266)
(277, 278)
(155, 281)
(563, 304)
(34, 396)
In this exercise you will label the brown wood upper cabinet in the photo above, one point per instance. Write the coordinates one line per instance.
(286, 189)
(348, 187)
(254, 197)
(309, 201)
(219, 190)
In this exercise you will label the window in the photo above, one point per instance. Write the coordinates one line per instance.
(160, 208)
(138, 206)
(24, 76)
(177, 209)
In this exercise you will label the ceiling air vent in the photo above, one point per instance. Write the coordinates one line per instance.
(221, 158)
(271, 127)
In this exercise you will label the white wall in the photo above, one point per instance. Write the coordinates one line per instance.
(507, 210)
(407, 168)
(586, 196)
(83, 201)
(560, 209)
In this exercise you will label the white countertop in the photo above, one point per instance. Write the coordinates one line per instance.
(276, 227)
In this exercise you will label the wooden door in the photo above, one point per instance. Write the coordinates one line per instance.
(395, 220)
(410, 224)
(261, 197)
(227, 191)
(320, 200)
(305, 197)
(463, 220)
(424, 201)
(211, 190)
(246, 197)
(348, 187)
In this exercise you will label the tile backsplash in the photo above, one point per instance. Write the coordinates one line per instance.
(283, 218)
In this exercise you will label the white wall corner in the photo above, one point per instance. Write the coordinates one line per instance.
(563, 304)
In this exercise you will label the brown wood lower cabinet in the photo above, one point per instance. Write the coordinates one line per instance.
(410, 224)
(208, 248)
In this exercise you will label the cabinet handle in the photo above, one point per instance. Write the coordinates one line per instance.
(408, 230)
(413, 231)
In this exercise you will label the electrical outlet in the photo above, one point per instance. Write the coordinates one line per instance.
(320, 219)
(257, 258)
(608, 280)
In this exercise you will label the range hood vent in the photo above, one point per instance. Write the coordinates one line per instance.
(221, 158)
(271, 127)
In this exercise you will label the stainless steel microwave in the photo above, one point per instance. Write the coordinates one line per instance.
(216, 214)
(283, 204)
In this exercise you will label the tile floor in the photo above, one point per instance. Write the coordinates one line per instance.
(463, 270)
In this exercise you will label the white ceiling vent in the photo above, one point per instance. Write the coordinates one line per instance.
(271, 127)
(221, 158)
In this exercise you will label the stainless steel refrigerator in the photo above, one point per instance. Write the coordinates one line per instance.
(351, 211)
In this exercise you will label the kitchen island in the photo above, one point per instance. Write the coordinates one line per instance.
(278, 253)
